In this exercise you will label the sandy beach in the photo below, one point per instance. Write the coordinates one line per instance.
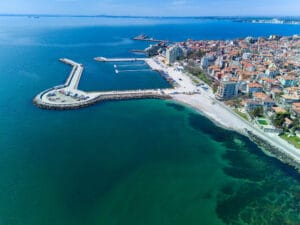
(206, 104)
(226, 118)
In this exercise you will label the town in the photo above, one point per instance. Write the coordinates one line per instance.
(257, 77)
(249, 85)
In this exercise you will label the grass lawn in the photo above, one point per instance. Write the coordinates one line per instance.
(204, 78)
(194, 80)
(243, 115)
(262, 122)
(294, 140)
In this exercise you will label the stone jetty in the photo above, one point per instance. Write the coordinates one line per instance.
(67, 96)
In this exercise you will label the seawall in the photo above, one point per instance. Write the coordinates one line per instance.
(273, 150)
(101, 98)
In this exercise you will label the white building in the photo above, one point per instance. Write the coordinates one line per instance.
(206, 61)
(227, 89)
(174, 53)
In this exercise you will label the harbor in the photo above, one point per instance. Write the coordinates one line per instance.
(153, 63)
(134, 161)
(68, 96)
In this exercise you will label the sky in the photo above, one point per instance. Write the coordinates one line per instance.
(154, 7)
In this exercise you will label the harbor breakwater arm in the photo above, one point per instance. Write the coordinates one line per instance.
(75, 75)
(67, 96)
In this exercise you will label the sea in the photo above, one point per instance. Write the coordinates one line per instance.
(138, 162)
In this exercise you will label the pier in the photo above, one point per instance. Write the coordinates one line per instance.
(132, 71)
(153, 64)
(75, 75)
(68, 96)
(143, 37)
(138, 51)
(151, 40)
(103, 59)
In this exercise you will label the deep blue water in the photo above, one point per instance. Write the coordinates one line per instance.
(131, 162)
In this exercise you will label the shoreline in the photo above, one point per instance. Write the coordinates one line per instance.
(206, 115)
(223, 116)
(185, 92)
(265, 145)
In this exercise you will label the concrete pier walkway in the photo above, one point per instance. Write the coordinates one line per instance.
(67, 96)
(75, 75)
(103, 59)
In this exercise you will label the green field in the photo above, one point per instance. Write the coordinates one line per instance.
(241, 114)
(262, 122)
(294, 140)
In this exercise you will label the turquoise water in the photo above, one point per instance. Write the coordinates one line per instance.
(130, 162)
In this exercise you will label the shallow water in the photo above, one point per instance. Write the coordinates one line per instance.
(129, 162)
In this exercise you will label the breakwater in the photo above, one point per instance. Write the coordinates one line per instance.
(273, 150)
(67, 96)
(101, 98)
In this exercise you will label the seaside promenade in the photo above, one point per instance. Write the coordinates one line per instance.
(206, 103)
(222, 115)
(226, 118)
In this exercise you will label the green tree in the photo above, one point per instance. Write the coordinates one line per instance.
(257, 112)
(278, 119)
(296, 125)
(278, 95)
(200, 54)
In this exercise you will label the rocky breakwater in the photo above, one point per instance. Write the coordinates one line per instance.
(99, 97)
(273, 150)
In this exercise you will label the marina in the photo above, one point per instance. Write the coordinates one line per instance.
(68, 96)
(119, 162)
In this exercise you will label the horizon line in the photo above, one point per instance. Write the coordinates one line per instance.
(130, 16)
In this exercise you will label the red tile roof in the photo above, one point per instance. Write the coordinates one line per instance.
(254, 85)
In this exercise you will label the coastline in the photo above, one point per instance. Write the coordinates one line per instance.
(236, 124)
(128, 161)
(223, 116)
(185, 92)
